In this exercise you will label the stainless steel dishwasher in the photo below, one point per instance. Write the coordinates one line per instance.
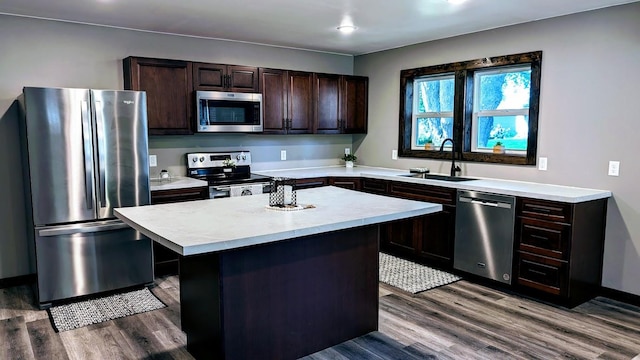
(484, 234)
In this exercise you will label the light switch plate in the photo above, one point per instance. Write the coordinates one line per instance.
(153, 161)
(283, 154)
(394, 154)
(347, 151)
(542, 163)
(614, 168)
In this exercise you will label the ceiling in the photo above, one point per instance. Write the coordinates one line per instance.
(306, 24)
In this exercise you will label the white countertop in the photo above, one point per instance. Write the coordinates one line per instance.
(203, 226)
(561, 193)
(176, 183)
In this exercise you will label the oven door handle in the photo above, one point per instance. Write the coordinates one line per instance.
(222, 188)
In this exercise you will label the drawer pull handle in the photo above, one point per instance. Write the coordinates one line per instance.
(539, 237)
(531, 227)
(538, 272)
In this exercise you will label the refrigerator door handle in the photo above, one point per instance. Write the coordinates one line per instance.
(101, 153)
(82, 228)
(88, 160)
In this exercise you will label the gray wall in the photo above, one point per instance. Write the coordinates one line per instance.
(45, 53)
(588, 113)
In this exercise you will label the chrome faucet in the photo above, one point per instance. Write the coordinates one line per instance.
(454, 168)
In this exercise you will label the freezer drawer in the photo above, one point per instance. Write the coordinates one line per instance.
(83, 259)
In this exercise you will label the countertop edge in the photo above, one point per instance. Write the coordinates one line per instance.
(498, 186)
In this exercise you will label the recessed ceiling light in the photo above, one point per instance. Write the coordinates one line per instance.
(456, 2)
(346, 29)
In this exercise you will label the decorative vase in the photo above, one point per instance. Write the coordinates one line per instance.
(348, 164)
(498, 149)
(428, 146)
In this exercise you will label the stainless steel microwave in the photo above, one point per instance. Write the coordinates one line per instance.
(219, 111)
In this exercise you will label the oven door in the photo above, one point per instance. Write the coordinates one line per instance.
(223, 191)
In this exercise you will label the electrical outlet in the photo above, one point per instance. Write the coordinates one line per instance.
(394, 154)
(347, 151)
(153, 161)
(614, 168)
(542, 164)
(283, 154)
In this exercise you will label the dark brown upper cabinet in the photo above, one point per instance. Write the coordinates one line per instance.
(340, 104)
(287, 101)
(220, 77)
(169, 88)
(326, 92)
(354, 100)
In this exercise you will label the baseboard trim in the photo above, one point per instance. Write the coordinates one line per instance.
(620, 296)
(17, 281)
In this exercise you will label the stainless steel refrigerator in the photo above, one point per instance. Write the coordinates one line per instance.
(85, 153)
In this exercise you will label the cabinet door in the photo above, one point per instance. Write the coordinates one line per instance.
(168, 84)
(243, 78)
(221, 77)
(397, 237)
(274, 100)
(435, 237)
(326, 93)
(354, 98)
(299, 106)
(209, 77)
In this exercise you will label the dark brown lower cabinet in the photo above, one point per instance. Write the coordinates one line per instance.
(559, 249)
(429, 238)
(166, 261)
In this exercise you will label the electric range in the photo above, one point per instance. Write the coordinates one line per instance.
(228, 173)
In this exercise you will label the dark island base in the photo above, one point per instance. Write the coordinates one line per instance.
(282, 300)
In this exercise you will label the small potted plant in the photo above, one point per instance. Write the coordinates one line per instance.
(498, 148)
(428, 145)
(349, 159)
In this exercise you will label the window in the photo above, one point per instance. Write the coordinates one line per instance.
(433, 110)
(477, 104)
(501, 109)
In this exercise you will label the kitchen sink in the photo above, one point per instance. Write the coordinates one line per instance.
(437, 177)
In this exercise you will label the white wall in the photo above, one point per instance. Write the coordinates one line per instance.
(589, 99)
(46, 53)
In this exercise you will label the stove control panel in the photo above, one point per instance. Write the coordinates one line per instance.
(218, 159)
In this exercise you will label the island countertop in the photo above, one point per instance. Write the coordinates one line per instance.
(204, 226)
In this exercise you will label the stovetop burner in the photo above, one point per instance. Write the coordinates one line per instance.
(223, 168)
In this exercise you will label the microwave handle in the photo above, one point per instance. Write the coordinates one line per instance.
(205, 111)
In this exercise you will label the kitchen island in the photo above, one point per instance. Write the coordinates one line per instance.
(259, 283)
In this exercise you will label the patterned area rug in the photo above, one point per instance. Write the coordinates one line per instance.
(410, 276)
(79, 314)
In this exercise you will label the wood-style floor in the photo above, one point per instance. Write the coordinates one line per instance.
(458, 321)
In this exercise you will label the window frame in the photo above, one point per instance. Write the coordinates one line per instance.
(463, 109)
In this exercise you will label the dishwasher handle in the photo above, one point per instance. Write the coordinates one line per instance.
(483, 202)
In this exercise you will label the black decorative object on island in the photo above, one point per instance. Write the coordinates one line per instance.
(283, 192)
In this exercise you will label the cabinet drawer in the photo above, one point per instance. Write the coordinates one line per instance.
(374, 186)
(544, 237)
(546, 210)
(352, 183)
(542, 273)
(308, 183)
(179, 195)
(428, 193)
